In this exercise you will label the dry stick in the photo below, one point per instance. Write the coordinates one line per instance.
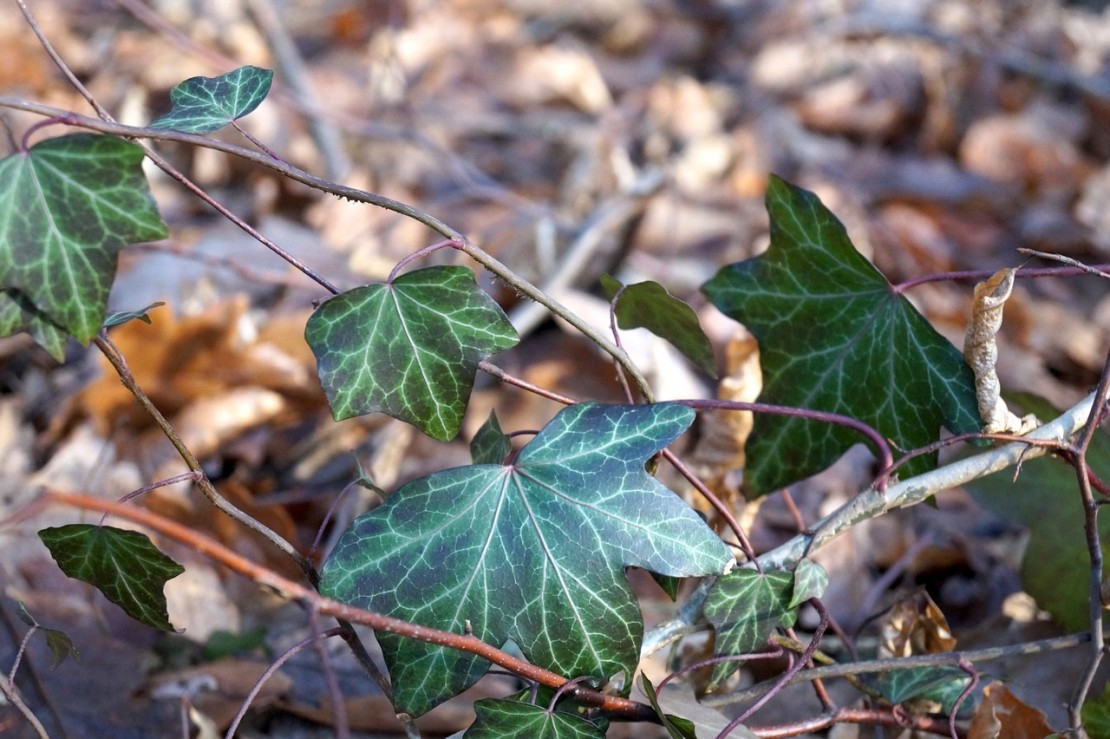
(326, 606)
(1094, 549)
(1066, 260)
(292, 66)
(9, 692)
(851, 716)
(117, 361)
(944, 659)
(514, 280)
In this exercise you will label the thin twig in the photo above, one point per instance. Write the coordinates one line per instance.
(515, 281)
(115, 358)
(265, 577)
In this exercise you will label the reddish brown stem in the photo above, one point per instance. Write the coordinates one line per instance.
(326, 606)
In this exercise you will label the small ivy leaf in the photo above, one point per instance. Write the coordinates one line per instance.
(490, 445)
(810, 580)
(532, 551)
(649, 305)
(835, 336)
(409, 349)
(123, 565)
(942, 685)
(115, 319)
(677, 728)
(67, 207)
(18, 314)
(206, 104)
(744, 607)
(59, 643)
(498, 717)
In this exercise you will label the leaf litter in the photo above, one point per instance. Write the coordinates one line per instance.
(941, 138)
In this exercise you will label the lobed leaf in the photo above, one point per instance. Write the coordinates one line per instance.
(206, 104)
(744, 607)
(123, 565)
(497, 718)
(835, 336)
(490, 445)
(533, 551)
(67, 207)
(409, 349)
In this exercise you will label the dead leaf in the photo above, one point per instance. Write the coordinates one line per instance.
(915, 626)
(1002, 715)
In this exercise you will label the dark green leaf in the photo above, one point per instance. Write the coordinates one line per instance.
(744, 608)
(59, 643)
(533, 551)
(1045, 499)
(67, 207)
(17, 314)
(123, 565)
(1096, 715)
(810, 580)
(227, 644)
(835, 336)
(490, 445)
(115, 319)
(206, 104)
(649, 305)
(497, 718)
(941, 685)
(677, 728)
(409, 349)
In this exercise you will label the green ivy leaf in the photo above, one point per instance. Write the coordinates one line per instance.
(676, 728)
(59, 643)
(409, 349)
(1096, 714)
(941, 685)
(744, 607)
(835, 336)
(497, 718)
(810, 580)
(532, 551)
(490, 445)
(206, 104)
(121, 317)
(67, 207)
(123, 565)
(17, 314)
(649, 305)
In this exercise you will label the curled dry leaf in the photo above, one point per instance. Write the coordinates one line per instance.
(981, 354)
(915, 626)
(1003, 714)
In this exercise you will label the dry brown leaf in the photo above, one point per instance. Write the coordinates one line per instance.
(981, 354)
(915, 626)
(1002, 715)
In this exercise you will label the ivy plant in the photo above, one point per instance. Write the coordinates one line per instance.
(527, 546)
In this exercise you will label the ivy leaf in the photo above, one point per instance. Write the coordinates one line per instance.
(532, 551)
(123, 565)
(206, 104)
(835, 336)
(58, 642)
(121, 317)
(676, 727)
(810, 580)
(490, 445)
(409, 349)
(497, 718)
(941, 685)
(67, 207)
(744, 607)
(649, 305)
(17, 314)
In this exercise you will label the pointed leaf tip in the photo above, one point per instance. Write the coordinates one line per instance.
(834, 336)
